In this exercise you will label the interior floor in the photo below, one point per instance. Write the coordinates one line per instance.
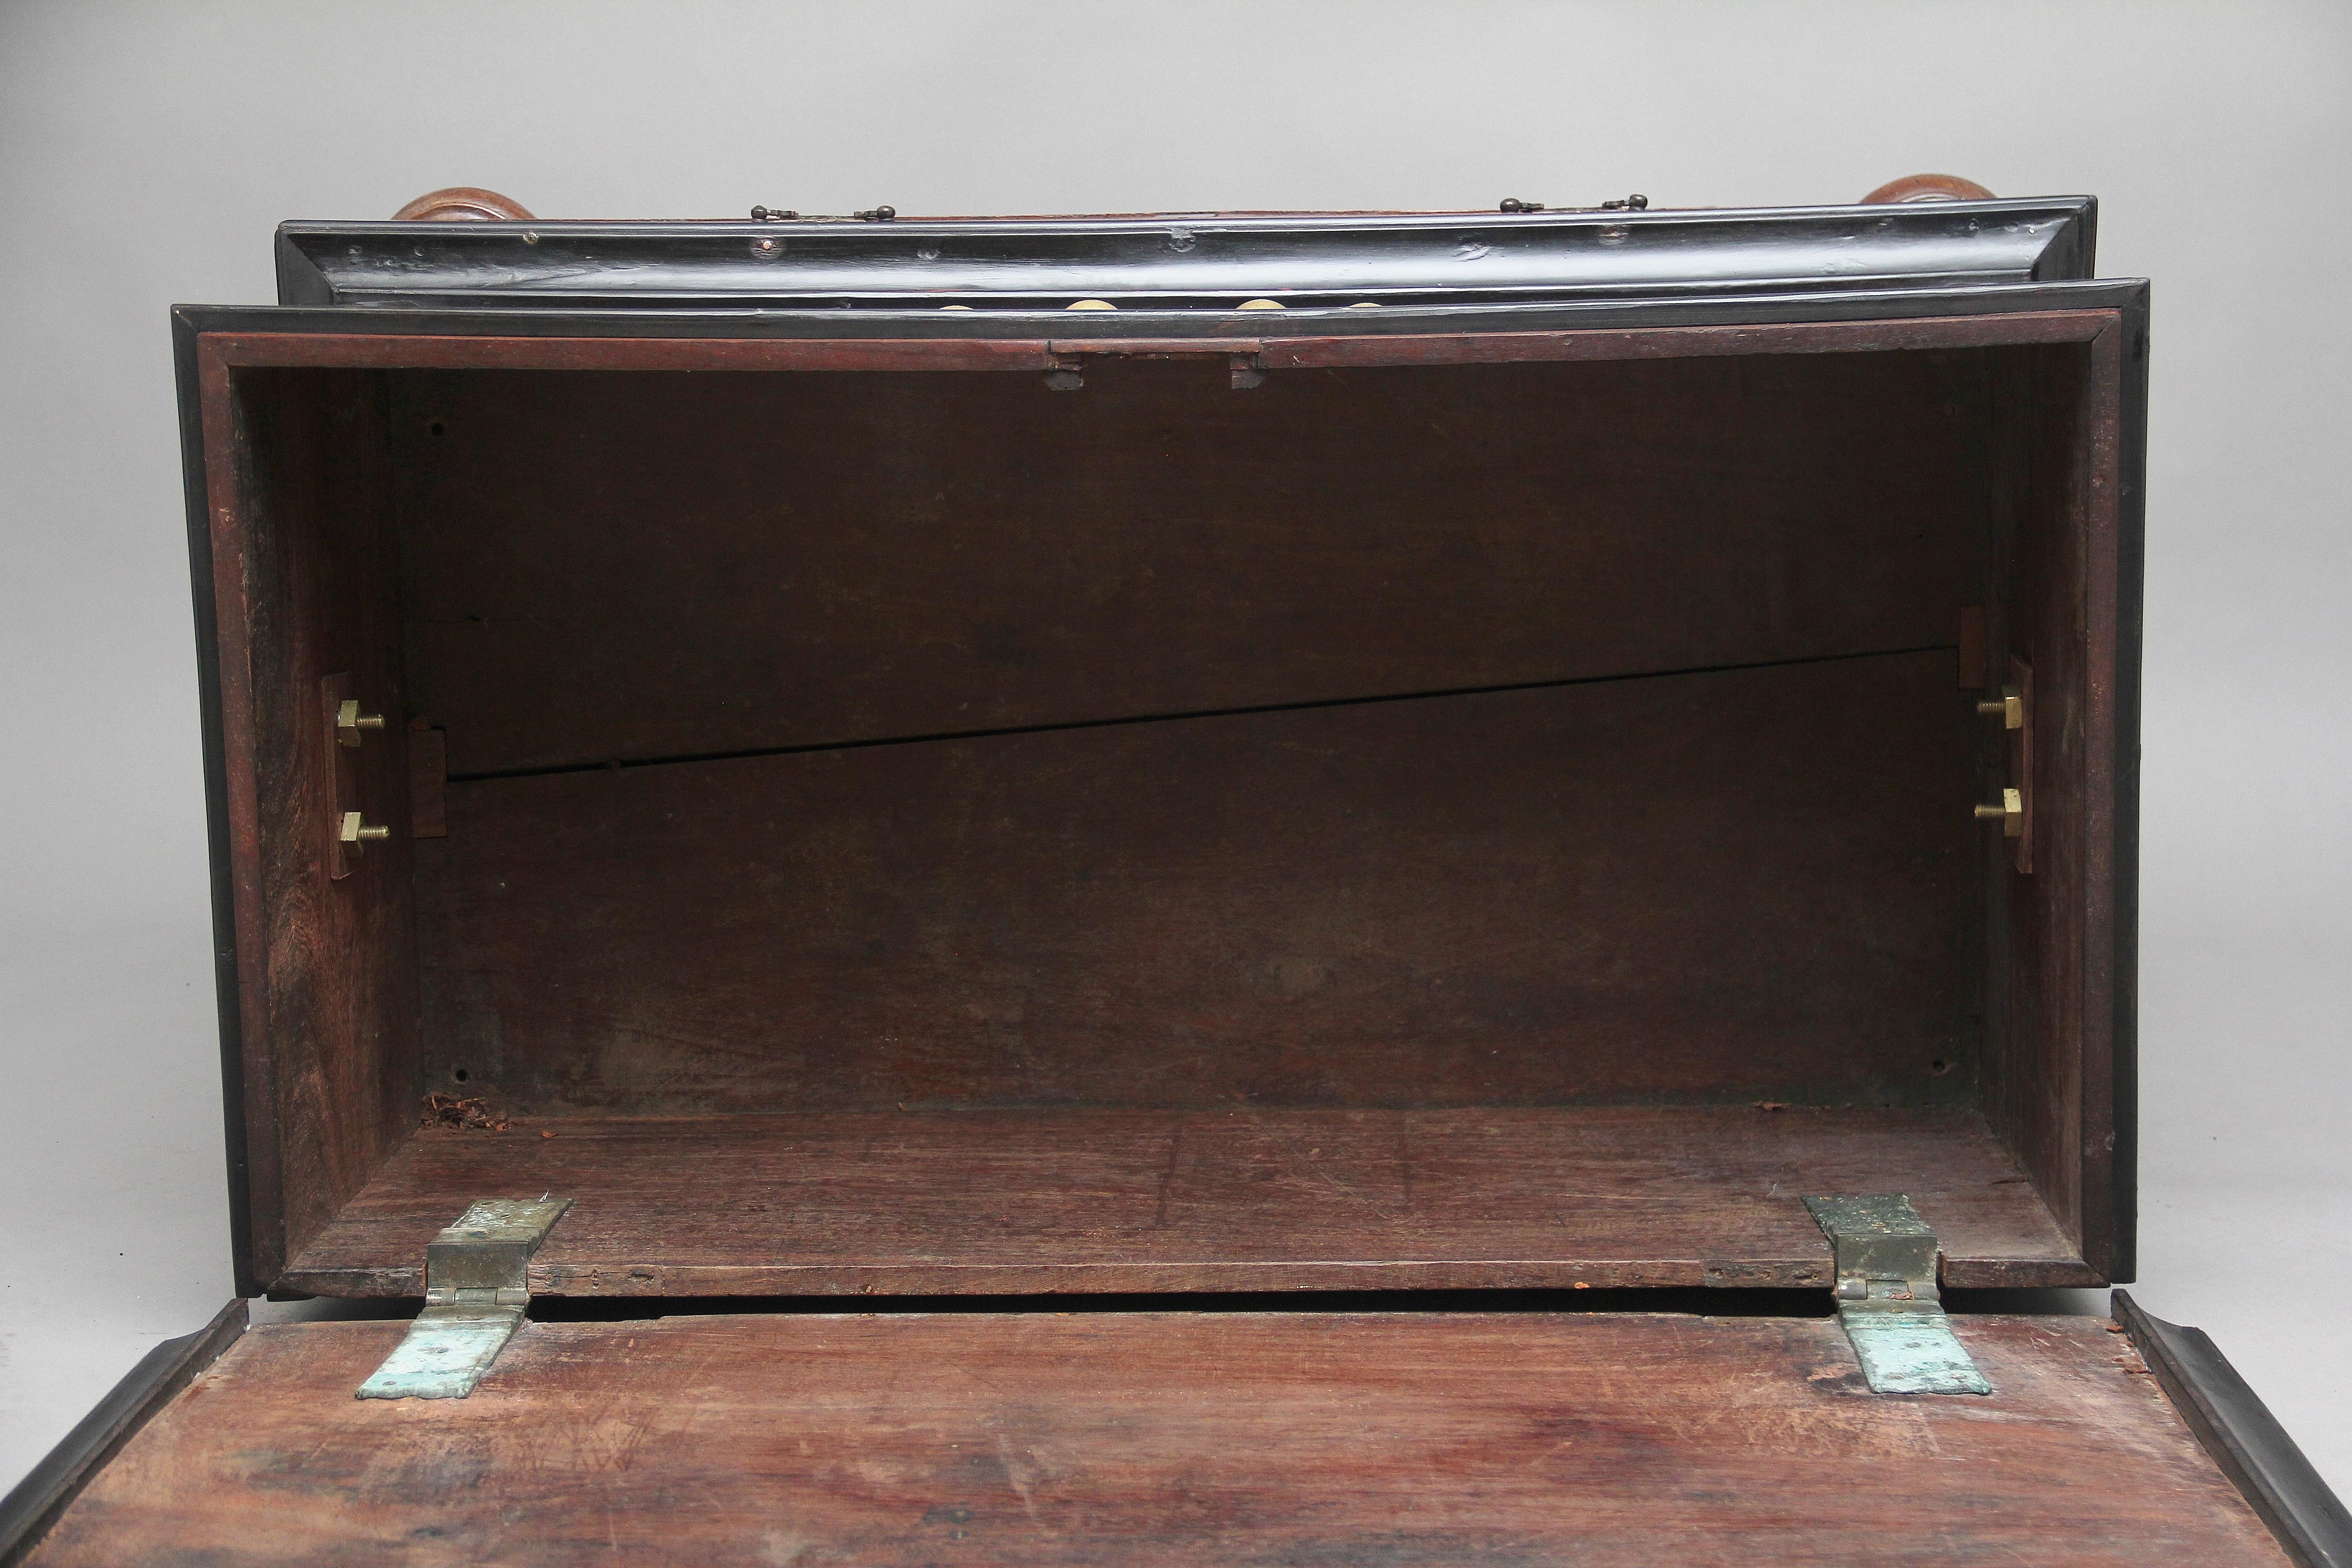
(1240, 1199)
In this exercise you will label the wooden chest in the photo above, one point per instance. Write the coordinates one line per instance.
(1192, 888)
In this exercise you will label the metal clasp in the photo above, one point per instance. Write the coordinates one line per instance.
(1888, 1301)
(475, 1289)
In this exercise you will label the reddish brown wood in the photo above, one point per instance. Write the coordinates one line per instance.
(1244, 1198)
(228, 481)
(339, 778)
(1973, 656)
(387, 352)
(428, 777)
(851, 558)
(390, 352)
(2021, 766)
(2049, 1071)
(454, 204)
(1083, 349)
(1928, 188)
(307, 589)
(1684, 342)
(1536, 897)
(1607, 1440)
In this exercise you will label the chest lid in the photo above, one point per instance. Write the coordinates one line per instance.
(1210, 1437)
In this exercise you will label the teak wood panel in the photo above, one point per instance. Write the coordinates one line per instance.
(1611, 1441)
(1738, 886)
(603, 565)
(1238, 1199)
(305, 588)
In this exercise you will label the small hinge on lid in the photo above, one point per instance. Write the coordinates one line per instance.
(476, 1289)
(1886, 1296)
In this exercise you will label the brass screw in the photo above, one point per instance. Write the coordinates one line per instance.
(2009, 705)
(2010, 814)
(358, 833)
(350, 722)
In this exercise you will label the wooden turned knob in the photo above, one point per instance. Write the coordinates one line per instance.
(462, 204)
(1928, 188)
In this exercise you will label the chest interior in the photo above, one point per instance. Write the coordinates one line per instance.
(926, 831)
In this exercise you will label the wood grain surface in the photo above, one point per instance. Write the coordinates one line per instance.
(604, 566)
(1244, 1198)
(1734, 887)
(306, 583)
(1601, 1441)
(2050, 1069)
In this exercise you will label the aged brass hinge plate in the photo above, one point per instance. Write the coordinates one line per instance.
(476, 1291)
(1887, 1300)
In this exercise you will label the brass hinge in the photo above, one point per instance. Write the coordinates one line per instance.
(1887, 1300)
(476, 1289)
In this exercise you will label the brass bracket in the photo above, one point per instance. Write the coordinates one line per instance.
(1888, 1301)
(476, 1291)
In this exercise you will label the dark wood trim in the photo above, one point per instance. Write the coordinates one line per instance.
(218, 352)
(2130, 505)
(227, 991)
(2243, 1438)
(367, 352)
(1689, 342)
(1066, 330)
(224, 521)
(2100, 1217)
(38, 1501)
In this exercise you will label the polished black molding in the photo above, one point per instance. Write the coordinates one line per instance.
(1188, 261)
(2243, 1438)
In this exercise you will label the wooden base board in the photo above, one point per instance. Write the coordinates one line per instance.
(1247, 1199)
(1145, 1438)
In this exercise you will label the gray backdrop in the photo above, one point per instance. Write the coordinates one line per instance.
(146, 150)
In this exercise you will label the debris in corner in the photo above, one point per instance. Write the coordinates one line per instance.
(454, 1111)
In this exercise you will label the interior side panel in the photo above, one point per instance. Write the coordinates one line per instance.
(2035, 1088)
(320, 601)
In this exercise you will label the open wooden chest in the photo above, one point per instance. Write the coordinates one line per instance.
(1179, 888)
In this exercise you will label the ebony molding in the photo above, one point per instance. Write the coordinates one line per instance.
(42, 1496)
(1196, 261)
(2243, 1437)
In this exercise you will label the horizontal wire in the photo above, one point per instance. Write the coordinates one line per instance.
(1185, 714)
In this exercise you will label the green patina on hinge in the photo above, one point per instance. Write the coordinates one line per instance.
(475, 1294)
(1887, 1296)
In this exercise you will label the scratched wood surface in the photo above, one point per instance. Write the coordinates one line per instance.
(600, 565)
(1731, 887)
(1245, 1198)
(1601, 1441)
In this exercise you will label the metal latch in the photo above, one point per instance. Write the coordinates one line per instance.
(1887, 1296)
(475, 1294)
